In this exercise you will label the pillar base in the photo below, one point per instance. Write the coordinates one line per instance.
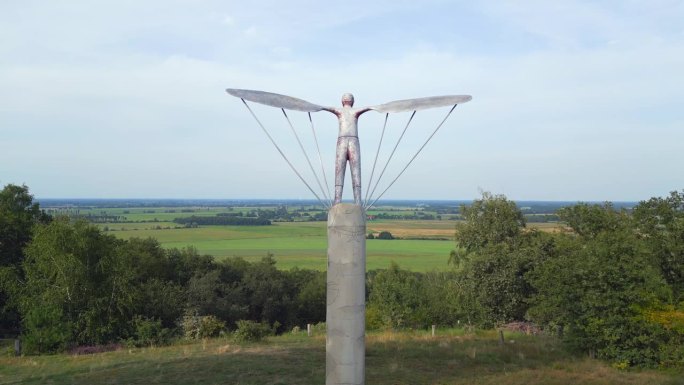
(345, 347)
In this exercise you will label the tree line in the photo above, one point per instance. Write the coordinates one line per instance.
(65, 283)
(611, 284)
(222, 220)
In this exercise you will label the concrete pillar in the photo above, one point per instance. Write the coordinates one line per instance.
(345, 347)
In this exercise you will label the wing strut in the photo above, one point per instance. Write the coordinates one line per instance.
(320, 158)
(282, 154)
(305, 154)
(370, 181)
(392, 154)
(414, 156)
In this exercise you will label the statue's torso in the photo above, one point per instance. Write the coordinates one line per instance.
(348, 121)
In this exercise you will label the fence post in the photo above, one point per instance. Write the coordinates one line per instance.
(433, 330)
(501, 337)
(308, 330)
(17, 347)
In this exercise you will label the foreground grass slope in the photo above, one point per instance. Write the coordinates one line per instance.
(451, 357)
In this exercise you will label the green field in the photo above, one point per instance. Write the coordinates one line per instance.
(407, 358)
(424, 245)
(294, 244)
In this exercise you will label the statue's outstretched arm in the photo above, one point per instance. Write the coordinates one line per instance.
(421, 103)
(362, 111)
(331, 109)
(275, 100)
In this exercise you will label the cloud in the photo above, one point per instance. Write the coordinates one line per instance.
(228, 20)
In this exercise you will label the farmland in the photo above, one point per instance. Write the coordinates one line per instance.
(303, 244)
(425, 236)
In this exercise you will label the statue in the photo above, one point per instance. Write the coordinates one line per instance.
(346, 269)
(348, 148)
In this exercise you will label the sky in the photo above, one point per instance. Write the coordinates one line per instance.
(572, 100)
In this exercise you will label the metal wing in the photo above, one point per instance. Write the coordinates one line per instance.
(421, 103)
(275, 100)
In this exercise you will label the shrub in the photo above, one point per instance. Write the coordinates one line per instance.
(45, 330)
(149, 332)
(373, 318)
(250, 331)
(385, 235)
(196, 327)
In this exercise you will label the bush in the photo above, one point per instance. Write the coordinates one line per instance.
(45, 330)
(385, 235)
(250, 331)
(373, 318)
(394, 294)
(149, 332)
(196, 327)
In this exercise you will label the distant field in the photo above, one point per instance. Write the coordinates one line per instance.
(452, 357)
(297, 244)
(424, 244)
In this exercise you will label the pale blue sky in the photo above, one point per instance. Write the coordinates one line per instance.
(572, 100)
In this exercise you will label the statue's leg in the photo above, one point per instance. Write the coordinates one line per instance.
(355, 167)
(340, 168)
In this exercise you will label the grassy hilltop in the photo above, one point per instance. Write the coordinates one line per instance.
(412, 358)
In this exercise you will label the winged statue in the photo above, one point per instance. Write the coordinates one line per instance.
(348, 149)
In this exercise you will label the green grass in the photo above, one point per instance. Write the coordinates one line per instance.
(294, 244)
(425, 244)
(414, 358)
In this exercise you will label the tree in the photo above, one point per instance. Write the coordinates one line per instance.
(490, 220)
(589, 220)
(441, 301)
(310, 300)
(270, 295)
(394, 294)
(494, 255)
(496, 277)
(211, 293)
(76, 267)
(18, 215)
(660, 223)
(596, 290)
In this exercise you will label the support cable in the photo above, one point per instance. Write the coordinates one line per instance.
(320, 158)
(414, 156)
(392, 154)
(281, 153)
(370, 181)
(301, 146)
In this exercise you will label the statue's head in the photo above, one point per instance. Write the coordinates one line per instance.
(348, 98)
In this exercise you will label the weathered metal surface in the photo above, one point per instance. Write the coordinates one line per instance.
(421, 103)
(345, 345)
(348, 148)
(274, 100)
